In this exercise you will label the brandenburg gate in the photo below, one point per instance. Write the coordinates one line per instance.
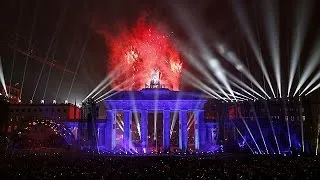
(160, 100)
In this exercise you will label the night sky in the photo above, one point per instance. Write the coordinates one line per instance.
(212, 20)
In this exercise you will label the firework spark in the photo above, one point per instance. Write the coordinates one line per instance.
(141, 50)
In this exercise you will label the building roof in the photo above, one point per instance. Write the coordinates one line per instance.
(43, 105)
(159, 94)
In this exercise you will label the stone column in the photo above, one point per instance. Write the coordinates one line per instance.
(127, 129)
(110, 130)
(99, 143)
(144, 129)
(166, 130)
(196, 131)
(183, 132)
(201, 130)
(100, 135)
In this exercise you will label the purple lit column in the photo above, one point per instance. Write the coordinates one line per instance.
(183, 133)
(101, 137)
(166, 129)
(196, 131)
(110, 130)
(144, 129)
(100, 143)
(127, 128)
(199, 115)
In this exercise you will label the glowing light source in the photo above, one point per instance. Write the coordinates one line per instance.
(42, 101)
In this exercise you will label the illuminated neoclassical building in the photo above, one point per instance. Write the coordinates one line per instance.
(152, 105)
(151, 100)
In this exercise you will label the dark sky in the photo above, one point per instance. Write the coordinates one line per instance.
(214, 20)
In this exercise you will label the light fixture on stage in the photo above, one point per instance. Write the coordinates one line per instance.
(66, 101)
(42, 101)
(31, 101)
(54, 101)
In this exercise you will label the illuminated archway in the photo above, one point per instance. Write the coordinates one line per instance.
(45, 132)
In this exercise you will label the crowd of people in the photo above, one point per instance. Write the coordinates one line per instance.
(93, 166)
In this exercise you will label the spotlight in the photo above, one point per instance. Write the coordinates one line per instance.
(66, 101)
(54, 101)
(31, 101)
(42, 101)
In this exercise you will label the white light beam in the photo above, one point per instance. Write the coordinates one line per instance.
(2, 79)
(235, 61)
(313, 89)
(243, 21)
(313, 80)
(312, 64)
(301, 19)
(272, 28)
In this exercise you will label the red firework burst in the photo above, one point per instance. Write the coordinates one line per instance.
(139, 51)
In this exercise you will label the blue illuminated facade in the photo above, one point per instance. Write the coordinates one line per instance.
(161, 101)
